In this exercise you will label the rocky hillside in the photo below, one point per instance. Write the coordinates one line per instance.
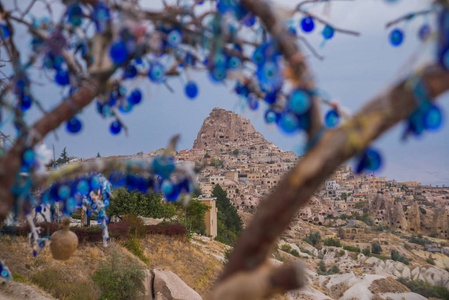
(223, 128)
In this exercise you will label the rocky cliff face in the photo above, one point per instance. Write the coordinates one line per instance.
(226, 129)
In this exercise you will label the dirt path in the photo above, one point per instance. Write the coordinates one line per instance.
(19, 291)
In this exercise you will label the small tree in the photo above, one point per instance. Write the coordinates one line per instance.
(98, 154)
(375, 247)
(321, 268)
(366, 252)
(206, 155)
(120, 277)
(235, 152)
(195, 213)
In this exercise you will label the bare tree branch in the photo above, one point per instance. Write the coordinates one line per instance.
(10, 163)
(292, 54)
(409, 16)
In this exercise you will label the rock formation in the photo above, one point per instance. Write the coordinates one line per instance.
(168, 286)
(223, 128)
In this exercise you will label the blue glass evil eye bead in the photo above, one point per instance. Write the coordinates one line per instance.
(75, 15)
(370, 160)
(135, 97)
(174, 38)
(328, 32)
(299, 101)
(332, 118)
(125, 107)
(130, 72)
(4, 31)
(83, 187)
(28, 157)
(62, 77)
(259, 55)
(156, 72)
(74, 125)
(424, 32)
(271, 97)
(95, 182)
(115, 127)
(307, 24)
(191, 90)
(64, 192)
(253, 103)
(271, 116)
(234, 62)
(396, 37)
(433, 118)
(167, 187)
(289, 123)
(4, 273)
(118, 52)
(170, 190)
(218, 73)
(101, 16)
(25, 103)
(269, 71)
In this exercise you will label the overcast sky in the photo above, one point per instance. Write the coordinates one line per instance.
(354, 70)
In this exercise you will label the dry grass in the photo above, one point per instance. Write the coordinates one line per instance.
(69, 279)
(189, 262)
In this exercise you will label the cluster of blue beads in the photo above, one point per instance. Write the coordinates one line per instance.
(397, 35)
(73, 194)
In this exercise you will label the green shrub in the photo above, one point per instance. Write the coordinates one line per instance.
(419, 240)
(333, 270)
(135, 248)
(352, 249)
(366, 251)
(332, 242)
(313, 239)
(19, 278)
(321, 269)
(60, 286)
(294, 252)
(78, 217)
(227, 256)
(381, 228)
(304, 250)
(341, 253)
(366, 218)
(407, 246)
(286, 248)
(399, 257)
(430, 261)
(425, 289)
(119, 278)
(375, 247)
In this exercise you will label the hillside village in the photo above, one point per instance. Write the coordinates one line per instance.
(357, 233)
(238, 158)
